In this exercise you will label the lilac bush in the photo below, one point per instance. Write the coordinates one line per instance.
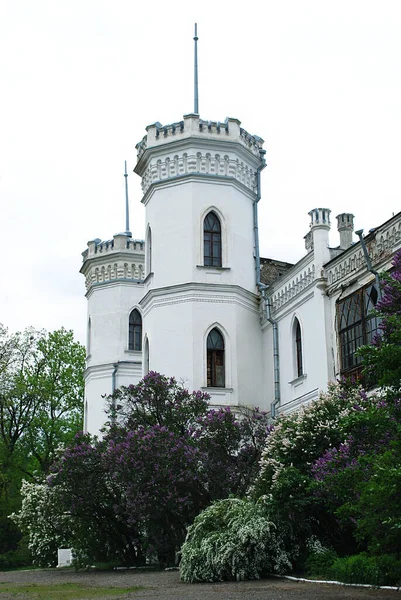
(382, 360)
(165, 457)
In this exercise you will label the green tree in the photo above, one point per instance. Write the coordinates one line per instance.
(41, 408)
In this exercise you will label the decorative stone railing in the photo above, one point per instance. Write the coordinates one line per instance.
(381, 244)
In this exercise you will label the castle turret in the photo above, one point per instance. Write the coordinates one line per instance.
(200, 307)
(114, 272)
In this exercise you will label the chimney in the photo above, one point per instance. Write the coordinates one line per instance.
(345, 226)
(319, 228)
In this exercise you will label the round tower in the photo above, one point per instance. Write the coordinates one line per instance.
(200, 304)
(114, 272)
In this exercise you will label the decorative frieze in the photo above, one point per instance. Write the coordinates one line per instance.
(117, 271)
(381, 245)
(293, 287)
(177, 165)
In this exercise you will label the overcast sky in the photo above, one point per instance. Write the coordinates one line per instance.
(318, 80)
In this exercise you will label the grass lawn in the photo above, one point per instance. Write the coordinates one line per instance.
(63, 591)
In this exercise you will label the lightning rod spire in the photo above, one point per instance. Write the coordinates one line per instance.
(196, 95)
(127, 231)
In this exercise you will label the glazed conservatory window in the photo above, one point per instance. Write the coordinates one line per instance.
(298, 349)
(135, 331)
(356, 326)
(212, 240)
(215, 359)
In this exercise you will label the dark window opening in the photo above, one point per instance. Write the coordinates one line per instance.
(212, 241)
(357, 326)
(135, 331)
(298, 350)
(215, 359)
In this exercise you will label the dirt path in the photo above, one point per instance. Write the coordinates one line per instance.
(167, 585)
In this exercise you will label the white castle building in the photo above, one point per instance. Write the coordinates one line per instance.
(196, 301)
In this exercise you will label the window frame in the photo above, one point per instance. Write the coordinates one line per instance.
(213, 247)
(299, 359)
(214, 356)
(135, 331)
(359, 330)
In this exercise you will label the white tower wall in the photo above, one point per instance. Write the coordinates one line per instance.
(113, 272)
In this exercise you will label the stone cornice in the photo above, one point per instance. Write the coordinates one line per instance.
(118, 255)
(200, 292)
(113, 283)
(210, 144)
(196, 177)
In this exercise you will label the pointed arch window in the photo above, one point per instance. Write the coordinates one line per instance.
(148, 251)
(212, 241)
(135, 331)
(299, 367)
(147, 359)
(215, 359)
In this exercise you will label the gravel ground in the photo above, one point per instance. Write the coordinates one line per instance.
(167, 585)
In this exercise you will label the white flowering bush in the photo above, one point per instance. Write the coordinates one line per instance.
(46, 526)
(232, 539)
(301, 437)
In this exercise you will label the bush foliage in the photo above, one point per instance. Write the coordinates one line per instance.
(232, 539)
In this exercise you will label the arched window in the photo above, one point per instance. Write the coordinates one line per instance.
(148, 251)
(212, 241)
(146, 367)
(215, 359)
(135, 331)
(299, 368)
(89, 337)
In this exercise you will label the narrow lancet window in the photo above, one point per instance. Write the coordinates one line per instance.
(215, 359)
(298, 349)
(212, 241)
(135, 331)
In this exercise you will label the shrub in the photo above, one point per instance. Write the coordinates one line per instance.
(232, 539)
(318, 564)
(374, 570)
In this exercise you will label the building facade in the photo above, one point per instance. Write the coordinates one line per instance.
(195, 301)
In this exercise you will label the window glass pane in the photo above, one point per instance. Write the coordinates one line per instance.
(215, 340)
(212, 240)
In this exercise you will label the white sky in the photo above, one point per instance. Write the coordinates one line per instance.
(319, 80)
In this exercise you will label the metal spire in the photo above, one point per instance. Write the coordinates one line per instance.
(196, 96)
(127, 231)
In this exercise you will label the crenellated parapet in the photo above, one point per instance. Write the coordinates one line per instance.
(197, 147)
(381, 244)
(119, 259)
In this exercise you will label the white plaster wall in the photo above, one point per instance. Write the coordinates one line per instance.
(177, 332)
(175, 213)
(109, 306)
(310, 309)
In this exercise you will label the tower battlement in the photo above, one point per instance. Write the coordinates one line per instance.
(193, 126)
(120, 242)
(119, 259)
(197, 147)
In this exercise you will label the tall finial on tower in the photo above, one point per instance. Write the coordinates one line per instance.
(196, 97)
(127, 231)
